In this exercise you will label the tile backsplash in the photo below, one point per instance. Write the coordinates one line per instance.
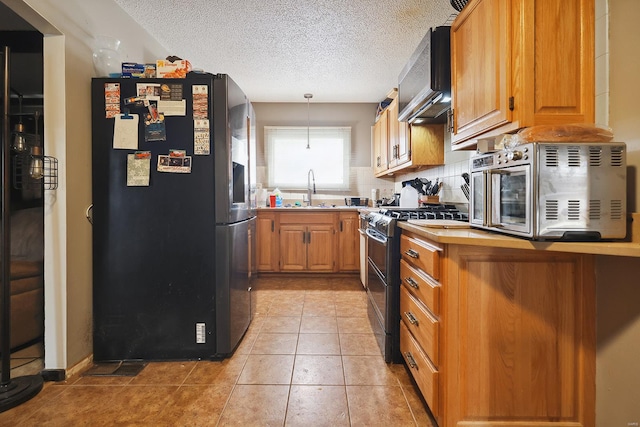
(361, 182)
(451, 176)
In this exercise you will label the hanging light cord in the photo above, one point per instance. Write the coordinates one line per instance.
(308, 96)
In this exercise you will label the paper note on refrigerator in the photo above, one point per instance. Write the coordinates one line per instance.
(201, 137)
(138, 169)
(125, 131)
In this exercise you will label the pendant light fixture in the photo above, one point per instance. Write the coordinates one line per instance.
(308, 96)
(19, 139)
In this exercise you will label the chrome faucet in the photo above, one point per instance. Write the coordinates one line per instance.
(309, 175)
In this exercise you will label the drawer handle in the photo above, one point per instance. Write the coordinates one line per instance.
(412, 283)
(411, 253)
(411, 318)
(411, 360)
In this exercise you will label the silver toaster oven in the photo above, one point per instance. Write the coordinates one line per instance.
(551, 191)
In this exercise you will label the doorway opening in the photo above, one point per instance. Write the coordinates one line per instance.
(26, 111)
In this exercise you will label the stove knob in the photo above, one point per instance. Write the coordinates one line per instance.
(514, 155)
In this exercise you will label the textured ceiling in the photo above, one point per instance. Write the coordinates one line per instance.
(340, 51)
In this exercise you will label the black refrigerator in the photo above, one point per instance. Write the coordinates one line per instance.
(173, 217)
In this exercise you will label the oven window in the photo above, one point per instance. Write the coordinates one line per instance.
(477, 198)
(378, 291)
(377, 252)
(510, 198)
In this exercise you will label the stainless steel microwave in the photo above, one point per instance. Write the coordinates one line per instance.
(551, 191)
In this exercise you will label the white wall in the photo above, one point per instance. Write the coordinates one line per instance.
(360, 117)
(618, 279)
(69, 27)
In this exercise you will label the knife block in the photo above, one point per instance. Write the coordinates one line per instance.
(429, 199)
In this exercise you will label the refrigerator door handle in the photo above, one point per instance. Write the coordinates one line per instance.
(89, 213)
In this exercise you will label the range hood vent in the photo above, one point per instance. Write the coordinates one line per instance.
(424, 85)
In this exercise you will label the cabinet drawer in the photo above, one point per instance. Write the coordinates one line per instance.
(425, 289)
(421, 324)
(425, 374)
(422, 255)
(298, 217)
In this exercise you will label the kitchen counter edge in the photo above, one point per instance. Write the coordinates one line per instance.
(474, 237)
(303, 209)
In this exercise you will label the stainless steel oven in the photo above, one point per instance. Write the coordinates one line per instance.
(383, 270)
(381, 285)
(551, 191)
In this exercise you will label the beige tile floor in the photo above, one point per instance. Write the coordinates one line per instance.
(308, 359)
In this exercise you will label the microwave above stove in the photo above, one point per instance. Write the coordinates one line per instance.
(551, 191)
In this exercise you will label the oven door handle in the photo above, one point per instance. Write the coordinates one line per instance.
(376, 237)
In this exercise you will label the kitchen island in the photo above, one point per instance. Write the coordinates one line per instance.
(499, 330)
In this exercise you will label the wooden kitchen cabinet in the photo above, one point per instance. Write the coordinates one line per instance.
(521, 63)
(267, 254)
(297, 240)
(399, 146)
(307, 242)
(515, 334)
(293, 247)
(420, 314)
(397, 141)
(321, 247)
(348, 242)
(380, 143)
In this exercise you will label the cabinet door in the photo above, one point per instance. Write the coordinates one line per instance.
(403, 150)
(480, 68)
(520, 337)
(557, 84)
(267, 243)
(320, 247)
(393, 130)
(293, 247)
(380, 138)
(349, 242)
(513, 66)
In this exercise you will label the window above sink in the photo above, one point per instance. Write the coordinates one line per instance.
(289, 159)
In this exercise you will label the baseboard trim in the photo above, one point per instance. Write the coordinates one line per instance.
(56, 375)
(62, 374)
(81, 366)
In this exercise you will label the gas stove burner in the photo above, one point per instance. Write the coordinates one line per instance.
(431, 211)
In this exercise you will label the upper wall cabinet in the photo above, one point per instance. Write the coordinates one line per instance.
(520, 63)
(400, 147)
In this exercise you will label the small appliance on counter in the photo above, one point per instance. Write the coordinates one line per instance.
(573, 191)
(394, 200)
(356, 201)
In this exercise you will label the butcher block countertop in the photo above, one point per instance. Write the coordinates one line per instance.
(476, 237)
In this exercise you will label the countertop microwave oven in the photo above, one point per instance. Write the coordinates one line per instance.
(551, 191)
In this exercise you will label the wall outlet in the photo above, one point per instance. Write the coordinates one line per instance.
(201, 334)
